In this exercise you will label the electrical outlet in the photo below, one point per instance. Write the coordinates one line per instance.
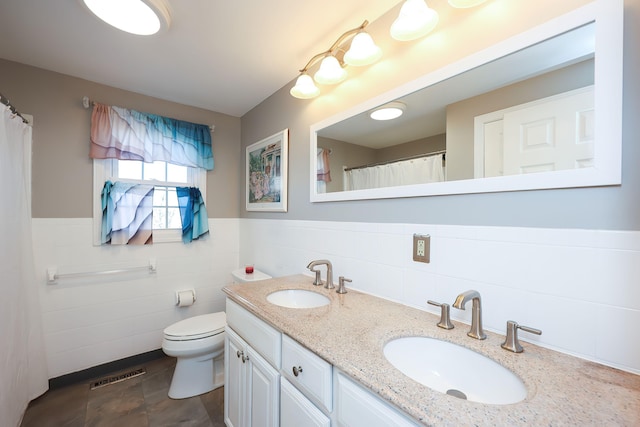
(421, 248)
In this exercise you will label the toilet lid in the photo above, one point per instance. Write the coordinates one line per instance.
(197, 327)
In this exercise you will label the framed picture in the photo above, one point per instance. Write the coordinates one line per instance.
(266, 173)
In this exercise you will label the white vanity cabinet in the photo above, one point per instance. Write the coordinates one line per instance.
(272, 380)
(252, 386)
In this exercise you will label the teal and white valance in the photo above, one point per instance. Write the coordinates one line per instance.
(120, 133)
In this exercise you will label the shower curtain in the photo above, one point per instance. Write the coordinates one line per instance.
(23, 372)
(405, 172)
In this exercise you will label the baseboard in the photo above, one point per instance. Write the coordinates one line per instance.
(104, 369)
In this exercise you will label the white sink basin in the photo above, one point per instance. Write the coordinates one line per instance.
(297, 298)
(455, 370)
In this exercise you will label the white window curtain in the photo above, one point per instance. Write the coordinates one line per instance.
(406, 172)
(23, 371)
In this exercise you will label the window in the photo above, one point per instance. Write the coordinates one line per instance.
(167, 224)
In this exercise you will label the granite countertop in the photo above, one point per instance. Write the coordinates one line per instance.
(351, 331)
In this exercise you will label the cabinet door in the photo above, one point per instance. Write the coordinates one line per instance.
(234, 388)
(358, 407)
(264, 389)
(296, 410)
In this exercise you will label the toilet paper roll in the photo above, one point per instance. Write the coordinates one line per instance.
(186, 298)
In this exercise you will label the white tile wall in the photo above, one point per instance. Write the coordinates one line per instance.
(93, 320)
(581, 287)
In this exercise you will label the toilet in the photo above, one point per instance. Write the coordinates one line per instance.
(198, 344)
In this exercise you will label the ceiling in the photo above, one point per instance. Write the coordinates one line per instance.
(224, 56)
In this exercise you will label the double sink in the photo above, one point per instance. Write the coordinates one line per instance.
(442, 366)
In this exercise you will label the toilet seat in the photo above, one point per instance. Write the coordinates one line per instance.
(198, 327)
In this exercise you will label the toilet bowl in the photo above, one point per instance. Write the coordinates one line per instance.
(198, 345)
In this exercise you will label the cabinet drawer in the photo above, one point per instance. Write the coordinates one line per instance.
(357, 406)
(315, 377)
(264, 338)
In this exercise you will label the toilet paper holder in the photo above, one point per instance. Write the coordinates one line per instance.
(185, 297)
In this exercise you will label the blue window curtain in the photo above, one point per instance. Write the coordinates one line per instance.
(127, 214)
(195, 222)
(120, 133)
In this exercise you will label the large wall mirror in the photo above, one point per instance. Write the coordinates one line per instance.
(540, 110)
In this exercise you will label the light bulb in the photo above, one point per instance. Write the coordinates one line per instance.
(415, 20)
(304, 88)
(363, 51)
(330, 71)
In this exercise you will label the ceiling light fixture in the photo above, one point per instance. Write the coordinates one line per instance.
(415, 20)
(389, 111)
(141, 17)
(362, 51)
(463, 4)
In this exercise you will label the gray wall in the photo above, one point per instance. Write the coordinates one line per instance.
(616, 207)
(62, 169)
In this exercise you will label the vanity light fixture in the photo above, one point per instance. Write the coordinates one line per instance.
(363, 51)
(415, 20)
(389, 111)
(463, 4)
(141, 17)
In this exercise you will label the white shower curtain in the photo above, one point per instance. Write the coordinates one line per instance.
(23, 372)
(414, 171)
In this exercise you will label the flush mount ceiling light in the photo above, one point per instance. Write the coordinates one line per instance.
(141, 17)
(415, 20)
(362, 51)
(389, 111)
(463, 4)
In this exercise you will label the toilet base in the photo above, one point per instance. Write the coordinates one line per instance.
(195, 376)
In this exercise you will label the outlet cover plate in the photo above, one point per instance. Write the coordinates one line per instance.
(422, 248)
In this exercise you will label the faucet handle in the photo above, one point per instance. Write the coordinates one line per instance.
(445, 319)
(511, 342)
(341, 289)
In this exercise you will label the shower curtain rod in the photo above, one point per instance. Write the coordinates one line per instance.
(418, 156)
(86, 103)
(13, 110)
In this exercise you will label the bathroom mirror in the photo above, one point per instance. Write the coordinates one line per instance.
(540, 110)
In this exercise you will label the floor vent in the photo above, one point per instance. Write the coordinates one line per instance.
(117, 378)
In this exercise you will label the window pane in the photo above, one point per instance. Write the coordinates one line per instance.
(159, 218)
(129, 169)
(176, 173)
(155, 170)
(160, 196)
(173, 216)
(172, 197)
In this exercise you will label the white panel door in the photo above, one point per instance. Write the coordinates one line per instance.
(552, 134)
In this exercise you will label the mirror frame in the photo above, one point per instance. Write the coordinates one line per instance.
(609, 17)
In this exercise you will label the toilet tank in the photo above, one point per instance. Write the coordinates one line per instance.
(239, 276)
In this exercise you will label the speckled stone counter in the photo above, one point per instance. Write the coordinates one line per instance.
(351, 331)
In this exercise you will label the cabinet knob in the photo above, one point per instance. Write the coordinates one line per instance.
(245, 358)
(297, 370)
(239, 354)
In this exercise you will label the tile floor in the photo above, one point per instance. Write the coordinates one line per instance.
(137, 402)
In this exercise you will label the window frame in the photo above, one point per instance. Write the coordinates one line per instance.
(107, 170)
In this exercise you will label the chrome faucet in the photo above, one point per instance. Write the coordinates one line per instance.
(329, 282)
(476, 314)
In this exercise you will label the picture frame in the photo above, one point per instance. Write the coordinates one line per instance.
(266, 173)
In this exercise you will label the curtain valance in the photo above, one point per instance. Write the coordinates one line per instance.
(120, 133)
